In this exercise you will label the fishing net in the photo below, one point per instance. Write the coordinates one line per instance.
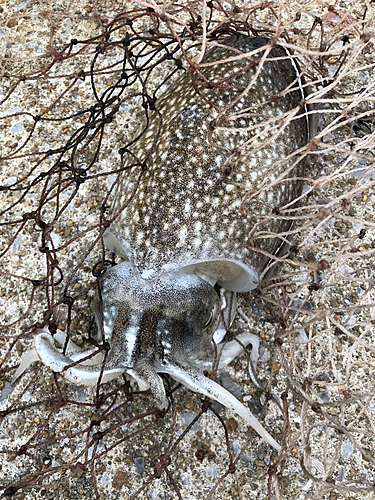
(78, 81)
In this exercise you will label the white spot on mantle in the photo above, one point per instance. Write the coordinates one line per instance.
(147, 273)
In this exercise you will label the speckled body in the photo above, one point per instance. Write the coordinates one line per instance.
(186, 208)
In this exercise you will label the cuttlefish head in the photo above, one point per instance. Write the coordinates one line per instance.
(156, 325)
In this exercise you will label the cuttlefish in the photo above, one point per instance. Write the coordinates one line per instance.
(187, 241)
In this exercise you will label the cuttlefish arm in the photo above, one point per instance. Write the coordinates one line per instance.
(87, 372)
(197, 382)
(27, 360)
(235, 347)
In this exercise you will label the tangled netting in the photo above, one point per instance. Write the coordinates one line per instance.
(77, 81)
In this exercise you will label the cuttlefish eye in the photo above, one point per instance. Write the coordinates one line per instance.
(212, 316)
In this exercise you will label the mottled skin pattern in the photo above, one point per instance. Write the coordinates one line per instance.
(180, 231)
(186, 207)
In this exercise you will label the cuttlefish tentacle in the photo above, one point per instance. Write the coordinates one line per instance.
(226, 315)
(87, 372)
(144, 371)
(228, 351)
(235, 347)
(90, 369)
(199, 383)
(27, 359)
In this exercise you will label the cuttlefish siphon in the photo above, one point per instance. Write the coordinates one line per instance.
(188, 241)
